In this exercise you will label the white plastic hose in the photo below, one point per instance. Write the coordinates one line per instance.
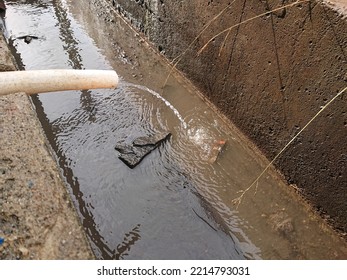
(39, 81)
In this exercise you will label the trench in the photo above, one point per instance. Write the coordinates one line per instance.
(177, 203)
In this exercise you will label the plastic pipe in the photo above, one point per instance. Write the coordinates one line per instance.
(39, 81)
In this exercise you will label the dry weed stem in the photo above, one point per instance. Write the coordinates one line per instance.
(238, 200)
(248, 20)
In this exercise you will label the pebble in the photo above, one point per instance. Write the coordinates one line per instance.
(30, 184)
(24, 251)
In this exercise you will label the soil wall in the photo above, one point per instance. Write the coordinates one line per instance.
(269, 75)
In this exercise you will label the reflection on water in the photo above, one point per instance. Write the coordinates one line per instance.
(151, 212)
(175, 204)
(129, 240)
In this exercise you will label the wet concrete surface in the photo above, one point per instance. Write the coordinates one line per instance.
(37, 220)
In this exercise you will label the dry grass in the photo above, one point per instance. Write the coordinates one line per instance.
(178, 59)
(227, 32)
(238, 200)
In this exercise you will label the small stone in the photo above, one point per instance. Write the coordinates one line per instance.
(12, 238)
(30, 184)
(24, 251)
(282, 223)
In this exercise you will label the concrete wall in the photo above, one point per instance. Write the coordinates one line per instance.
(269, 76)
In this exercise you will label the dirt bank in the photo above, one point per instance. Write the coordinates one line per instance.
(37, 219)
(269, 76)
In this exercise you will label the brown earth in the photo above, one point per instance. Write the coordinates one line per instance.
(37, 219)
(269, 76)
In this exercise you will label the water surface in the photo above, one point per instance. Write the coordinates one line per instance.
(176, 204)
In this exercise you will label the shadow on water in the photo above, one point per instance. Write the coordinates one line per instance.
(153, 211)
(87, 217)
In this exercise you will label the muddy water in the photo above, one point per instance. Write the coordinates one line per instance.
(176, 204)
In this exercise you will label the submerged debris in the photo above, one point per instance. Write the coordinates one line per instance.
(27, 38)
(282, 223)
(133, 154)
(217, 148)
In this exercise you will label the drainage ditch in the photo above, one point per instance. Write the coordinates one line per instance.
(177, 203)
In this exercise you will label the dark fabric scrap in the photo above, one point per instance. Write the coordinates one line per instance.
(133, 154)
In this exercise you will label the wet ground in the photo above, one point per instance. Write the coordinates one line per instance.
(177, 203)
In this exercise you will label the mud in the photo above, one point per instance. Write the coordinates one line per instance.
(37, 220)
(269, 76)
